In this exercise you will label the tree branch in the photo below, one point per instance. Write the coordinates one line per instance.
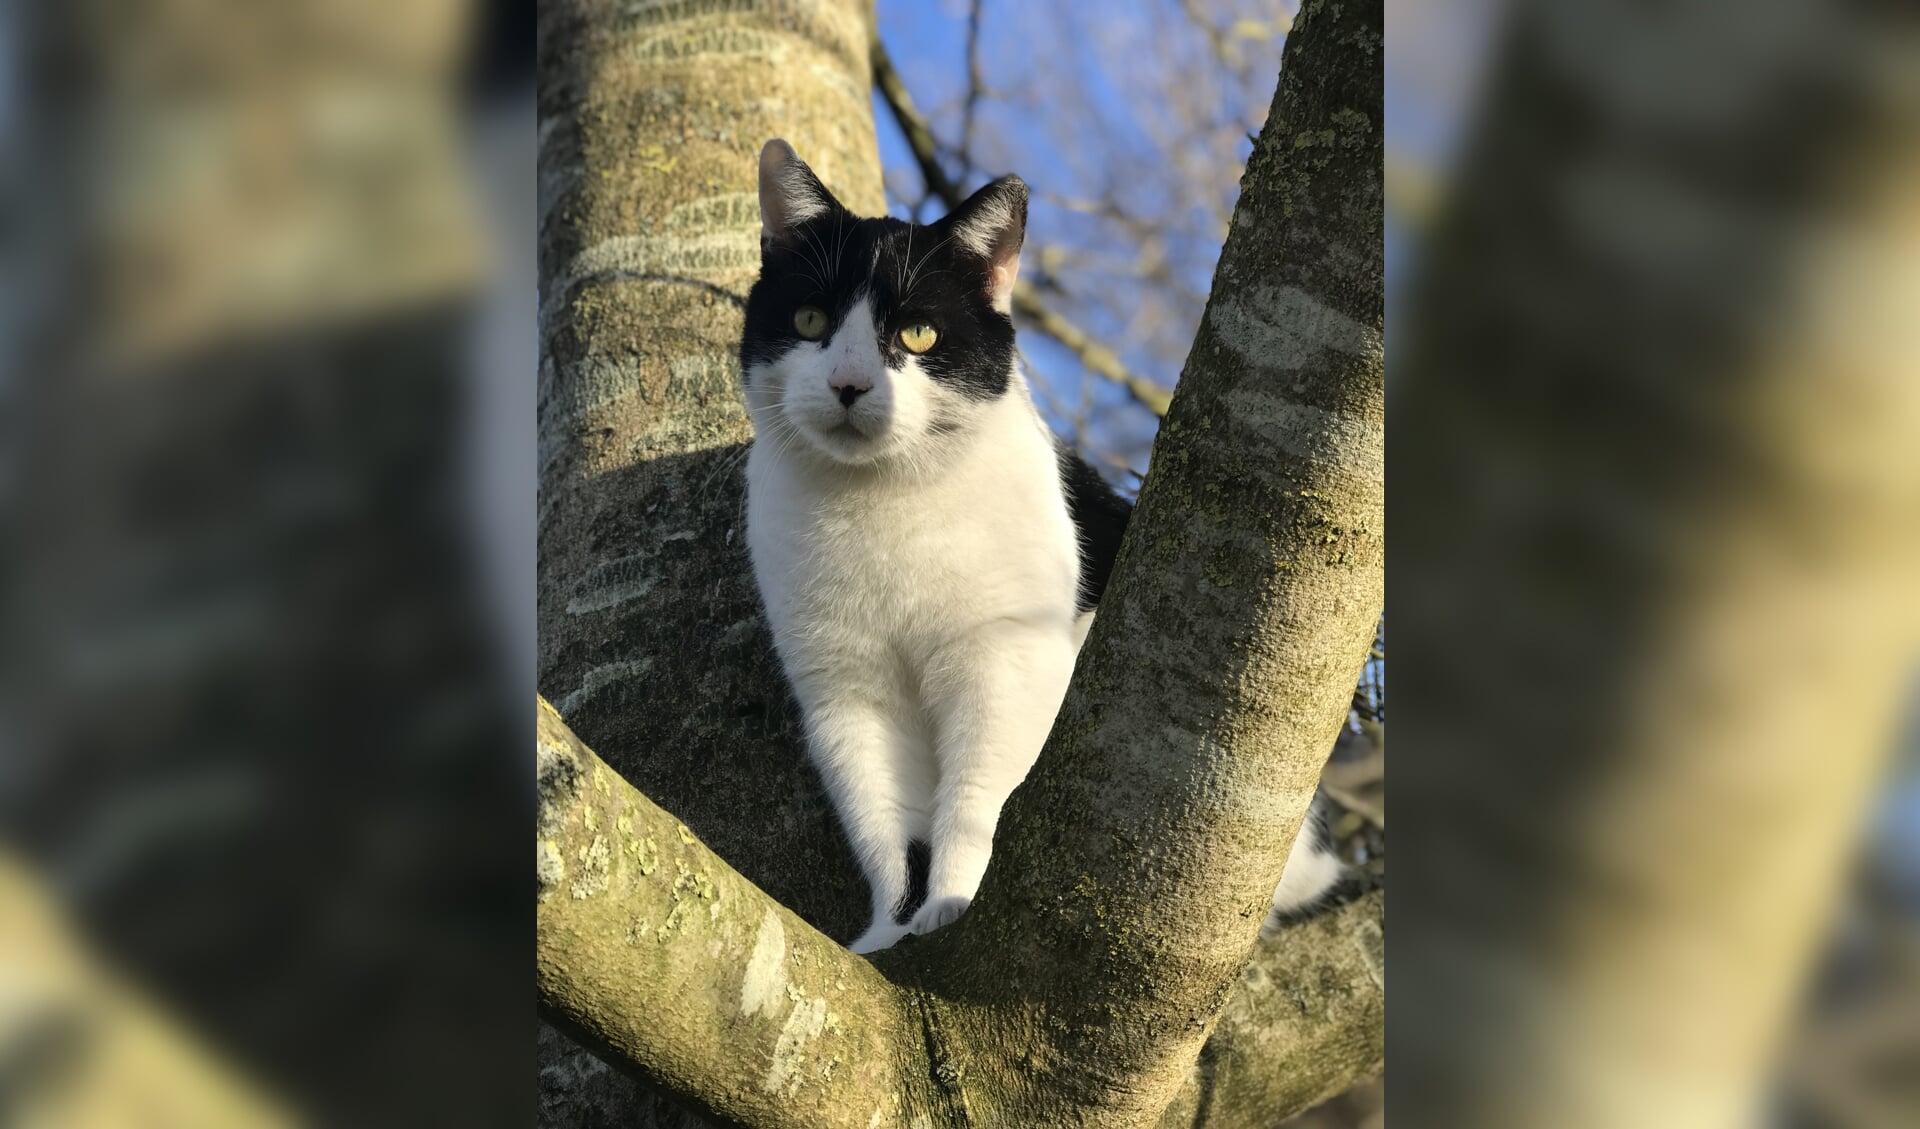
(651, 947)
(1099, 360)
(976, 87)
(1307, 1021)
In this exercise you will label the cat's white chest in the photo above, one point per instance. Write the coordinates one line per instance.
(861, 561)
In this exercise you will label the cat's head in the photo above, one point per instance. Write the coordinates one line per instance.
(873, 339)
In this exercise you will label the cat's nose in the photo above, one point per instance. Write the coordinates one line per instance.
(848, 389)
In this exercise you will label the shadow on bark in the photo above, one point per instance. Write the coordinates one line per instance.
(703, 722)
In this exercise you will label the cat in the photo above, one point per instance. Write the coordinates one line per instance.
(928, 555)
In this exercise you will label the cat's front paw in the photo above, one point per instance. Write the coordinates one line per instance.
(938, 912)
(883, 935)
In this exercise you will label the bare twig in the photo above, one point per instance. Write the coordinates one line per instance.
(976, 87)
(1225, 43)
(1099, 359)
(912, 124)
(1218, 41)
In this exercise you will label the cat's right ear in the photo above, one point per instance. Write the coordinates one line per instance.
(789, 192)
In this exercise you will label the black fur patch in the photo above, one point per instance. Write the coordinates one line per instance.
(919, 863)
(1100, 516)
(914, 273)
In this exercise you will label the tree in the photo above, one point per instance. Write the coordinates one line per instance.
(1131, 869)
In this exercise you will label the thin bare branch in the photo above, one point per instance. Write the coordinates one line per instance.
(1225, 42)
(1099, 359)
(919, 135)
(976, 89)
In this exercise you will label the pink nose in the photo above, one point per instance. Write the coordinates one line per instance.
(849, 389)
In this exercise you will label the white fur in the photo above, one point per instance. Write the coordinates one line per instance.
(1308, 876)
(921, 586)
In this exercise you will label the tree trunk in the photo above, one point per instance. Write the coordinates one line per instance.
(1133, 868)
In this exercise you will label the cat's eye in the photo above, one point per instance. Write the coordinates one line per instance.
(918, 338)
(810, 322)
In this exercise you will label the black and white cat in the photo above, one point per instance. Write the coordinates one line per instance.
(929, 557)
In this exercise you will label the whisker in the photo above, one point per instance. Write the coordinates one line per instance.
(839, 222)
(901, 275)
(913, 278)
(814, 257)
(822, 249)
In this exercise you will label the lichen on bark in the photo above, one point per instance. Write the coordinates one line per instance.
(661, 955)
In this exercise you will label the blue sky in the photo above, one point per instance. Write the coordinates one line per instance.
(1425, 95)
(928, 43)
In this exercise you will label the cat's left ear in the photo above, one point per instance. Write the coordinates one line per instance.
(790, 194)
(992, 223)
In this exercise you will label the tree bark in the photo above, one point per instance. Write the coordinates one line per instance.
(1306, 1022)
(1133, 868)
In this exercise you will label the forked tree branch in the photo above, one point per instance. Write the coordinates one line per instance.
(652, 950)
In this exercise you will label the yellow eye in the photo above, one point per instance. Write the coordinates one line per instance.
(810, 322)
(918, 338)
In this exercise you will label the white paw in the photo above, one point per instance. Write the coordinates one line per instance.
(881, 935)
(938, 912)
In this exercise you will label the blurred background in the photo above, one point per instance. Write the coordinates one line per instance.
(1654, 386)
(266, 348)
(266, 321)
